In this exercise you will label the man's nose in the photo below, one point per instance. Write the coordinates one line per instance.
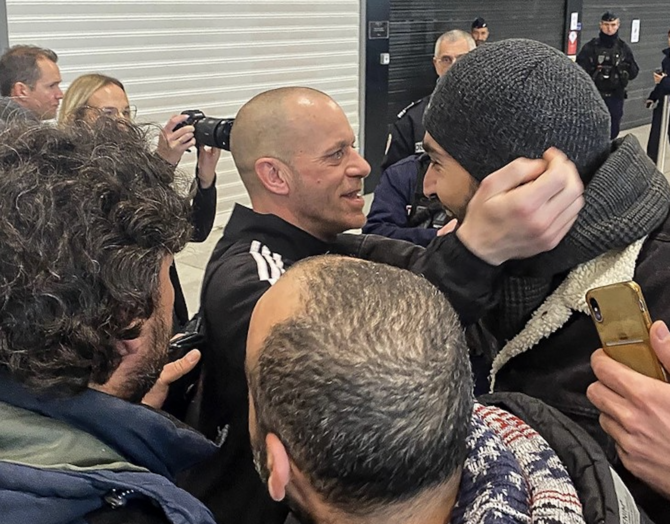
(359, 167)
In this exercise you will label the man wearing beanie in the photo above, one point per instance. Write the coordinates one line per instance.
(610, 63)
(519, 98)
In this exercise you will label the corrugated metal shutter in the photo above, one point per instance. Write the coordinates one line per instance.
(416, 24)
(212, 55)
(654, 25)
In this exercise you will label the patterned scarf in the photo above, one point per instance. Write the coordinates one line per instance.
(512, 476)
(626, 199)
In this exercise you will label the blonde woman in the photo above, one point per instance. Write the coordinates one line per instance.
(95, 95)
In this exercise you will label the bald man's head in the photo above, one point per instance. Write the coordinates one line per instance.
(357, 381)
(273, 124)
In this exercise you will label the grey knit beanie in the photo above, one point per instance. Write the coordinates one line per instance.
(516, 98)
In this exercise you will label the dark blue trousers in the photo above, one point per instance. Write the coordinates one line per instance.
(615, 106)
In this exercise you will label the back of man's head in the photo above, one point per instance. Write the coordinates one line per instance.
(366, 382)
(516, 98)
(20, 64)
(89, 217)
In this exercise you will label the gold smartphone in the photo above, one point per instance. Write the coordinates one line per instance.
(623, 322)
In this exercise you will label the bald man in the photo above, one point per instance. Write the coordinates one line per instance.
(295, 151)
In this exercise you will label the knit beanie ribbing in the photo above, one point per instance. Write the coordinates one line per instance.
(516, 98)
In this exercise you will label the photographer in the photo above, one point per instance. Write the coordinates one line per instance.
(94, 95)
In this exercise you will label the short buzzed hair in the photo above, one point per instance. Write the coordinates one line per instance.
(19, 64)
(263, 127)
(454, 36)
(368, 385)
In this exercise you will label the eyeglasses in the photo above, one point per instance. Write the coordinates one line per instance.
(128, 113)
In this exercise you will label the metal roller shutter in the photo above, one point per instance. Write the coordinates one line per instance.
(416, 24)
(654, 25)
(212, 55)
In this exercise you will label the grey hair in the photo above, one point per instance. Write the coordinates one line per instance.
(368, 386)
(454, 36)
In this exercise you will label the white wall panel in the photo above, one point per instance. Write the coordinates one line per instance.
(207, 54)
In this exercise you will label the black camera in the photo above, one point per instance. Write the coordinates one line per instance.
(209, 131)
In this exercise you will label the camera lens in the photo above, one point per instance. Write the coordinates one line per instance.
(596, 310)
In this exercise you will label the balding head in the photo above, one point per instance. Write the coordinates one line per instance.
(272, 124)
(295, 151)
(356, 382)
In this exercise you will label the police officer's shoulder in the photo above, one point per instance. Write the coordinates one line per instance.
(411, 162)
(412, 105)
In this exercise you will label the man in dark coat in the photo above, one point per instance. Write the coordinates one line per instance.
(656, 99)
(609, 61)
(535, 307)
(90, 225)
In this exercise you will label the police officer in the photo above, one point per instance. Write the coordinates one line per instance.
(406, 136)
(610, 62)
(479, 31)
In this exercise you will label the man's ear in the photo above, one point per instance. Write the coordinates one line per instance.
(273, 174)
(279, 466)
(20, 90)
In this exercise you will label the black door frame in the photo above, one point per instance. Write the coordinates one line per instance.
(376, 87)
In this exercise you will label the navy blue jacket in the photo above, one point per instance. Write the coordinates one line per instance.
(42, 486)
(389, 213)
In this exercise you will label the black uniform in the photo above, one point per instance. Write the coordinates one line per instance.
(253, 253)
(406, 135)
(658, 95)
(611, 64)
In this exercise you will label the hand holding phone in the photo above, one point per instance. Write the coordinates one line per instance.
(622, 320)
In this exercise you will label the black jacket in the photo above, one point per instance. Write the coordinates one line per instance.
(252, 254)
(588, 60)
(406, 134)
(663, 87)
(203, 213)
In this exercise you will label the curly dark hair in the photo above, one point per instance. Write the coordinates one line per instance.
(88, 215)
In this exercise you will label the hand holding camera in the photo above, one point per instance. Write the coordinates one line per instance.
(175, 139)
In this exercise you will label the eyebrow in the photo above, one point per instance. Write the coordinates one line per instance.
(428, 148)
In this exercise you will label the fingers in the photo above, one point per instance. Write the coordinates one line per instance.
(448, 228)
(660, 342)
(615, 376)
(175, 370)
(174, 121)
(520, 171)
(559, 185)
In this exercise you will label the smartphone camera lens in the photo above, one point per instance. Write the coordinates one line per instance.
(596, 310)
